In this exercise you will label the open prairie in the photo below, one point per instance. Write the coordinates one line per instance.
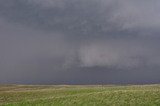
(80, 95)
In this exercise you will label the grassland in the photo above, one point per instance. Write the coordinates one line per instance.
(93, 95)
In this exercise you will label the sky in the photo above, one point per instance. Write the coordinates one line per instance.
(79, 41)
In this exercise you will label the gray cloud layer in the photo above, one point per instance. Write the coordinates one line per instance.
(79, 41)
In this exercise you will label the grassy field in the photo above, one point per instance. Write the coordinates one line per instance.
(94, 95)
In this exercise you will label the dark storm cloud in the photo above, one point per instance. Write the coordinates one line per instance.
(79, 41)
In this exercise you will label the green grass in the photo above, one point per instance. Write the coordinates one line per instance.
(91, 95)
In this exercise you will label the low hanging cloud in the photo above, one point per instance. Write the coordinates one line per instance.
(123, 53)
(86, 41)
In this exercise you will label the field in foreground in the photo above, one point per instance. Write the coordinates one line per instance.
(65, 95)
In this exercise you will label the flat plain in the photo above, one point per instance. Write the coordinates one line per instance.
(80, 95)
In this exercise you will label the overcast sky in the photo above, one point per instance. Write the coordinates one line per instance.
(79, 41)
